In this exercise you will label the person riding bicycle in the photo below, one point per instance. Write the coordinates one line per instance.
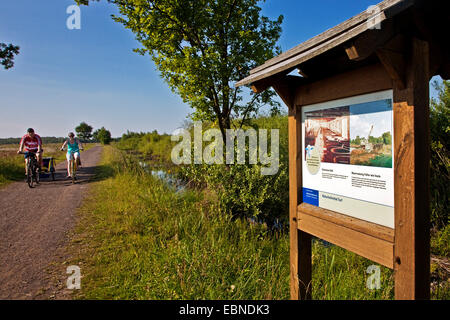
(33, 145)
(73, 149)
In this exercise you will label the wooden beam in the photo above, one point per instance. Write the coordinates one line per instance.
(387, 7)
(352, 52)
(302, 73)
(360, 81)
(394, 63)
(411, 178)
(362, 226)
(375, 249)
(296, 60)
(259, 86)
(282, 78)
(285, 88)
(367, 43)
(300, 242)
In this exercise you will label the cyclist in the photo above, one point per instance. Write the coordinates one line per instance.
(73, 148)
(33, 144)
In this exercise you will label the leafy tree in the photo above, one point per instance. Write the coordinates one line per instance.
(7, 53)
(95, 135)
(84, 131)
(356, 141)
(202, 47)
(104, 136)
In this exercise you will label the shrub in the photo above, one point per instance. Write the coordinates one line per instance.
(440, 164)
(241, 188)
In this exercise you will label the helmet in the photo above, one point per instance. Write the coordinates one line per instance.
(71, 134)
(30, 130)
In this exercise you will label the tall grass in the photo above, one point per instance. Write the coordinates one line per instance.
(139, 239)
(11, 169)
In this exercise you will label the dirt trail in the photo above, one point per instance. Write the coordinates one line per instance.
(34, 224)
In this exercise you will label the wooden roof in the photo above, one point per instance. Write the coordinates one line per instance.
(355, 43)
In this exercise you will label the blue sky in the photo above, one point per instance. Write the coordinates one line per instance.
(62, 77)
(364, 115)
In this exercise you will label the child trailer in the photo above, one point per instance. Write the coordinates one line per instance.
(48, 168)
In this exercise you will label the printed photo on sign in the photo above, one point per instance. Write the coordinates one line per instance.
(370, 134)
(327, 132)
(348, 158)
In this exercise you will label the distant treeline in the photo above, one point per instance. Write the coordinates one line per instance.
(44, 140)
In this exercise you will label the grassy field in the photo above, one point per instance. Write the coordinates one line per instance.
(12, 165)
(140, 239)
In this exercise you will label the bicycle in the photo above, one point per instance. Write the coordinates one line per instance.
(32, 168)
(73, 166)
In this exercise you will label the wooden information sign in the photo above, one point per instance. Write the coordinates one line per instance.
(359, 138)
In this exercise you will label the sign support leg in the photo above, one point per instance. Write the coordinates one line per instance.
(411, 181)
(300, 242)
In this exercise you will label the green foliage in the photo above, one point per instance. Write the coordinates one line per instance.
(381, 160)
(139, 239)
(375, 140)
(84, 131)
(440, 242)
(387, 138)
(440, 148)
(142, 240)
(241, 189)
(152, 146)
(356, 141)
(11, 168)
(7, 53)
(341, 274)
(202, 47)
(103, 135)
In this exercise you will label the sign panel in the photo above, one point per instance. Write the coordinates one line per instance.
(348, 158)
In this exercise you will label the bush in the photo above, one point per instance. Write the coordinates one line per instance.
(103, 135)
(440, 164)
(152, 146)
(241, 189)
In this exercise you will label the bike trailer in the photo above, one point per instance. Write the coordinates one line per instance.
(48, 167)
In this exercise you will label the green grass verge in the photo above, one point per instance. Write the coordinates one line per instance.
(138, 239)
(11, 169)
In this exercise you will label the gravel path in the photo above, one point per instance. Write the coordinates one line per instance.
(34, 226)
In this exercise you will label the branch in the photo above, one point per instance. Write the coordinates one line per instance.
(250, 104)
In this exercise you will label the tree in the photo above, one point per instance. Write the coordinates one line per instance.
(357, 140)
(202, 47)
(84, 131)
(95, 135)
(7, 53)
(104, 136)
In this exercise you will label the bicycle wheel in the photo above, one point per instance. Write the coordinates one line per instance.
(29, 174)
(72, 169)
(37, 173)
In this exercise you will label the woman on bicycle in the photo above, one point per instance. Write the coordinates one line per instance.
(73, 151)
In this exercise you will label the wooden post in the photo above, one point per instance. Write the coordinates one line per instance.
(411, 181)
(300, 242)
